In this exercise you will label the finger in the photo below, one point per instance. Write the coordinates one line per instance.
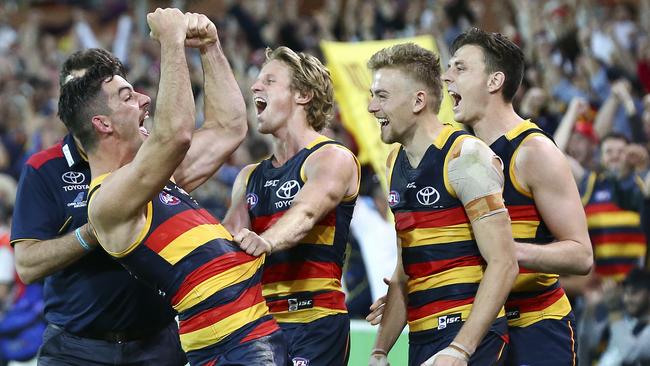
(192, 25)
(387, 280)
(377, 320)
(379, 302)
(241, 235)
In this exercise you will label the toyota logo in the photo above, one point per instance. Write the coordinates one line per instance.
(73, 177)
(428, 196)
(288, 190)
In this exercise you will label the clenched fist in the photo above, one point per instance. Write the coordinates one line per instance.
(201, 32)
(167, 25)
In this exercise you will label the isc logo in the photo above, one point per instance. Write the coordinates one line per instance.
(445, 320)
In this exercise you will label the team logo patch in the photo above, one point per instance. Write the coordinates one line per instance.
(393, 198)
(427, 196)
(251, 200)
(299, 361)
(73, 177)
(288, 190)
(168, 199)
(445, 320)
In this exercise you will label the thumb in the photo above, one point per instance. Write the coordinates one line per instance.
(387, 280)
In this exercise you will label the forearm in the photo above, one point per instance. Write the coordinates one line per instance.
(496, 283)
(605, 116)
(38, 259)
(175, 103)
(562, 257)
(394, 318)
(564, 130)
(225, 108)
(294, 225)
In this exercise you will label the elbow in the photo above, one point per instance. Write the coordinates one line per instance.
(585, 264)
(240, 128)
(26, 275)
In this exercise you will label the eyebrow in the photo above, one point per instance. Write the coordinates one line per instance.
(129, 88)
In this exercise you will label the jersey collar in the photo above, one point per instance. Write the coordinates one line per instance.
(71, 151)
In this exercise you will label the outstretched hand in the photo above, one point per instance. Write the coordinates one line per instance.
(201, 31)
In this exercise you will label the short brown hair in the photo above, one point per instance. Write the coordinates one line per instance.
(417, 63)
(308, 76)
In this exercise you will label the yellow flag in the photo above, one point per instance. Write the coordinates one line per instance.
(351, 78)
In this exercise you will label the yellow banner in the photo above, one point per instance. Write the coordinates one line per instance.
(352, 79)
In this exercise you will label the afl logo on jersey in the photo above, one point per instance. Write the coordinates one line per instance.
(288, 190)
(393, 198)
(168, 199)
(251, 200)
(427, 196)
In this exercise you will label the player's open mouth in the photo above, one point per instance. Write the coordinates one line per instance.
(383, 122)
(143, 130)
(456, 98)
(260, 104)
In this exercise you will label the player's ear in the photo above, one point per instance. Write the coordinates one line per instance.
(495, 81)
(102, 124)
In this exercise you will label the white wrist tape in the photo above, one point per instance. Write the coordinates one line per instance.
(446, 352)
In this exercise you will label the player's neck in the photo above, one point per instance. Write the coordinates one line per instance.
(497, 121)
(108, 157)
(287, 142)
(417, 143)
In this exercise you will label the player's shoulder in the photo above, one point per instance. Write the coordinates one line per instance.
(43, 157)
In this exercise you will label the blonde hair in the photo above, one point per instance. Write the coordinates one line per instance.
(308, 77)
(418, 63)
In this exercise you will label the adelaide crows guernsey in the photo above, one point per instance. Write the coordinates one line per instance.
(185, 254)
(303, 283)
(535, 296)
(439, 252)
(616, 235)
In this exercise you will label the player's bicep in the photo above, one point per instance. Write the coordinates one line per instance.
(325, 185)
(476, 177)
(555, 194)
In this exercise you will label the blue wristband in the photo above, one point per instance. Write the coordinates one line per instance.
(81, 240)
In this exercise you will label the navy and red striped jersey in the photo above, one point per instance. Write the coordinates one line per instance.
(535, 296)
(615, 230)
(185, 254)
(303, 283)
(439, 252)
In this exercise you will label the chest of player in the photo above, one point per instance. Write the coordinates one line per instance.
(272, 190)
(171, 201)
(421, 188)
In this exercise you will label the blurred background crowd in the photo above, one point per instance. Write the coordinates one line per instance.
(587, 83)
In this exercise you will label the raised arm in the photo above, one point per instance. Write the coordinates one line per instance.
(476, 177)
(563, 133)
(558, 202)
(225, 123)
(126, 191)
(323, 191)
(237, 217)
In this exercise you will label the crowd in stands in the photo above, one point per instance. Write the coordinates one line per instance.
(587, 84)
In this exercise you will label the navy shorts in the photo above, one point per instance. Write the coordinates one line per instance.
(63, 348)
(547, 342)
(491, 351)
(270, 350)
(323, 342)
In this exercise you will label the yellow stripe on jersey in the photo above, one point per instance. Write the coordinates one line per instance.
(214, 333)
(511, 169)
(431, 321)
(320, 234)
(458, 275)
(524, 229)
(620, 250)
(305, 315)
(526, 282)
(438, 235)
(282, 288)
(609, 219)
(192, 239)
(218, 282)
(557, 310)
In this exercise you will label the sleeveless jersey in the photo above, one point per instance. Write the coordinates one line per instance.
(534, 296)
(303, 283)
(185, 254)
(619, 242)
(439, 252)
